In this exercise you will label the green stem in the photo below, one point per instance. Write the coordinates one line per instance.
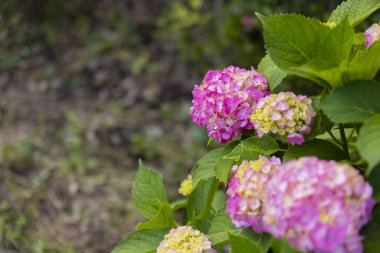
(344, 140)
(178, 204)
(333, 137)
(351, 134)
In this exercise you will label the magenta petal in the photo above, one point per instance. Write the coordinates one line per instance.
(255, 93)
(295, 138)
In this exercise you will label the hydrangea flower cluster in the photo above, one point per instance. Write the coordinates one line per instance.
(186, 186)
(372, 34)
(246, 191)
(185, 239)
(225, 100)
(284, 114)
(318, 205)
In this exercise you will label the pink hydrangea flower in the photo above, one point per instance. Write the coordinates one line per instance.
(372, 34)
(225, 100)
(246, 194)
(318, 205)
(248, 20)
(285, 114)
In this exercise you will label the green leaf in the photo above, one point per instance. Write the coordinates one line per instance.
(291, 39)
(354, 102)
(369, 142)
(355, 11)
(321, 123)
(359, 40)
(223, 165)
(220, 226)
(148, 191)
(272, 73)
(335, 48)
(305, 47)
(142, 241)
(364, 65)
(200, 199)
(374, 181)
(282, 246)
(320, 148)
(248, 149)
(205, 168)
(262, 240)
(164, 219)
(371, 231)
(242, 244)
(219, 200)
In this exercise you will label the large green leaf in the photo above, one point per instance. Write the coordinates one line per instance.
(371, 231)
(223, 165)
(355, 11)
(142, 241)
(364, 65)
(373, 179)
(164, 219)
(248, 149)
(354, 102)
(205, 168)
(262, 240)
(219, 199)
(220, 226)
(291, 39)
(369, 142)
(335, 48)
(305, 47)
(200, 200)
(282, 246)
(242, 244)
(272, 73)
(320, 148)
(148, 191)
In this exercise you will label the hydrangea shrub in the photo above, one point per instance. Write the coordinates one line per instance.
(290, 173)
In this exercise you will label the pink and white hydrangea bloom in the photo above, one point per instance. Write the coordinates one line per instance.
(185, 239)
(284, 114)
(372, 34)
(225, 100)
(246, 191)
(318, 205)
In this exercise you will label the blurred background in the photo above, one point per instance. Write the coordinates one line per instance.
(88, 87)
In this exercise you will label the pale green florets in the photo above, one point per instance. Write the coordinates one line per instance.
(330, 25)
(186, 186)
(185, 239)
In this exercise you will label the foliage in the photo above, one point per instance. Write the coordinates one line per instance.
(328, 55)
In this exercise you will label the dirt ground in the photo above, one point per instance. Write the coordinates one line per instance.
(78, 108)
